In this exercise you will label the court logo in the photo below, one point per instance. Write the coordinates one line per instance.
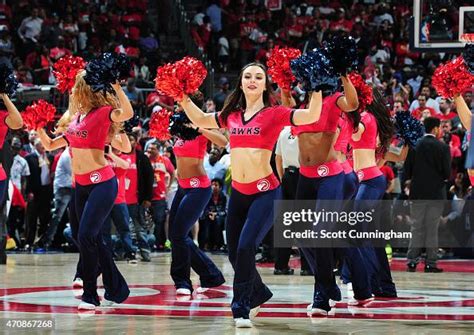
(323, 170)
(263, 185)
(194, 182)
(95, 177)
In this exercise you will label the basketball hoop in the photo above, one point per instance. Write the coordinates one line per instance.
(467, 38)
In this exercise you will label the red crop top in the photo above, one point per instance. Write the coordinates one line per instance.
(3, 127)
(328, 120)
(345, 132)
(368, 139)
(90, 132)
(260, 131)
(194, 149)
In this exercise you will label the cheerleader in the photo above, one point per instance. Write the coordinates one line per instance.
(93, 113)
(193, 194)
(254, 126)
(466, 119)
(374, 132)
(9, 119)
(322, 178)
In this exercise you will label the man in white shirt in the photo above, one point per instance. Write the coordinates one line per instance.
(432, 103)
(20, 169)
(30, 29)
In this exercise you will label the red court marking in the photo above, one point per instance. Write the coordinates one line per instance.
(167, 299)
(401, 265)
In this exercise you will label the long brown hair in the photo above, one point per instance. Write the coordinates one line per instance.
(236, 99)
(385, 127)
(83, 100)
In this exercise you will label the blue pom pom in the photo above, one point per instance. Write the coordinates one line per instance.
(468, 55)
(314, 70)
(8, 82)
(408, 129)
(342, 51)
(179, 126)
(130, 124)
(105, 70)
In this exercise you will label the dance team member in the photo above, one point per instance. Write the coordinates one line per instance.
(119, 213)
(194, 193)
(373, 134)
(96, 185)
(322, 178)
(9, 119)
(254, 126)
(466, 119)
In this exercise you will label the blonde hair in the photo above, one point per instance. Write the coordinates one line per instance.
(83, 100)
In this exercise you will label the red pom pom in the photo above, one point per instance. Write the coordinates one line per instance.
(452, 78)
(279, 66)
(182, 77)
(38, 115)
(159, 125)
(364, 91)
(65, 71)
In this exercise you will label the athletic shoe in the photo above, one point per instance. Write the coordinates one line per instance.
(145, 254)
(77, 283)
(411, 267)
(11, 244)
(360, 303)
(243, 323)
(86, 306)
(107, 303)
(131, 258)
(202, 289)
(183, 291)
(284, 272)
(319, 307)
(432, 269)
(254, 312)
(167, 245)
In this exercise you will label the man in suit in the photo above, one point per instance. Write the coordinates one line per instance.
(428, 167)
(38, 191)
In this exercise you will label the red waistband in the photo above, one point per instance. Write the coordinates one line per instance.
(368, 173)
(261, 185)
(347, 167)
(327, 169)
(3, 174)
(95, 177)
(195, 182)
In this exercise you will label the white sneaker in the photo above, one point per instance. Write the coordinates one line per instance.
(253, 312)
(243, 323)
(183, 291)
(77, 283)
(107, 303)
(86, 306)
(350, 291)
(360, 303)
(202, 289)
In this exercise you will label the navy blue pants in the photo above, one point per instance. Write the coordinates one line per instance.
(3, 191)
(351, 183)
(186, 209)
(119, 215)
(159, 208)
(249, 219)
(321, 260)
(93, 205)
(376, 260)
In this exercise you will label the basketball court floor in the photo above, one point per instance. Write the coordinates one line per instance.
(38, 287)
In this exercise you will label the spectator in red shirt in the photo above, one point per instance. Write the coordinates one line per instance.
(39, 63)
(264, 53)
(163, 178)
(341, 23)
(445, 108)
(59, 51)
(423, 111)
